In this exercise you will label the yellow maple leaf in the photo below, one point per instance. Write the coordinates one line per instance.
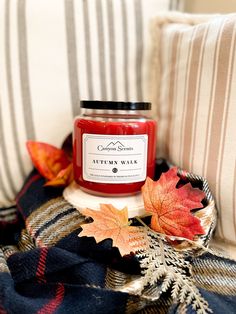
(110, 222)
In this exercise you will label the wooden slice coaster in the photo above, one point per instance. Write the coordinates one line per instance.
(80, 199)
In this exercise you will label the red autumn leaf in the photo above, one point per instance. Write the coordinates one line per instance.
(112, 223)
(47, 159)
(171, 207)
(64, 177)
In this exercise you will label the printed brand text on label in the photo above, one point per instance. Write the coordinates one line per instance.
(114, 158)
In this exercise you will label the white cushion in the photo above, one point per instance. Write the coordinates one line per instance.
(54, 53)
(197, 103)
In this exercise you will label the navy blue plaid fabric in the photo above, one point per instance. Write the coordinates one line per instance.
(46, 268)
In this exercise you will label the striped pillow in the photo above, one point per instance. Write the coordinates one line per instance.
(197, 103)
(54, 53)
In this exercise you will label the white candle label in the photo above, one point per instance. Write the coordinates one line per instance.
(114, 158)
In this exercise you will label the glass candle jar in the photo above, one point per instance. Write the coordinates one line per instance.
(114, 147)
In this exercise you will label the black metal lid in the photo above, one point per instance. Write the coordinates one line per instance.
(115, 105)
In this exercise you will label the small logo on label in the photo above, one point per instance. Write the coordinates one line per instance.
(114, 146)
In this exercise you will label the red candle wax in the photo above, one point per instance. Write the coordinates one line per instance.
(114, 151)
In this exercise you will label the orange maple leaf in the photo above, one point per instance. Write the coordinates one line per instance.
(171, 207)
(110, 222)
(63, 178)
(47, 159)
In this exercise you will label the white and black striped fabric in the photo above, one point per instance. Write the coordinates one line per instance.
(54, 53)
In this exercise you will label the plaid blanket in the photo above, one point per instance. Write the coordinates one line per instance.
(46, 268)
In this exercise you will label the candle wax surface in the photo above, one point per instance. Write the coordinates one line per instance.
(139, 127)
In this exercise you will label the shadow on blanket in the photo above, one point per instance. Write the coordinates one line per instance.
(46, 268)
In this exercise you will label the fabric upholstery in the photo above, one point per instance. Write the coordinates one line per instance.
(54, 53)
(196, 103)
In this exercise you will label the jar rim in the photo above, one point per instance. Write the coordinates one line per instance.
(115, 105)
